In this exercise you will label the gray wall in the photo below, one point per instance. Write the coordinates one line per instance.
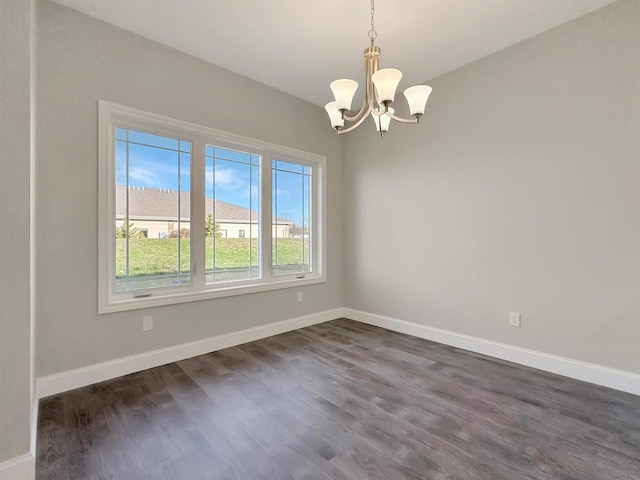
(15, 104)
(519, 191)
(81, 60)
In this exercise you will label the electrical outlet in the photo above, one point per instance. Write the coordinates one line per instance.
(299, 297)
(514, 319)
(147, 323)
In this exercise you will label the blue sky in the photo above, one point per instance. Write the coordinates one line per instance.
(234, 176)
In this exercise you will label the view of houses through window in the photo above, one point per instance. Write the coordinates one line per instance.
(152, 210)
(291, 195)
(232, 196)
(153, 213)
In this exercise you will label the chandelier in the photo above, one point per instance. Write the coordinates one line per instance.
(380, 90)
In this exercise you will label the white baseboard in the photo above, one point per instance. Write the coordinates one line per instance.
(80, 377)
(35, 409)
(588, 372)
(19, 468)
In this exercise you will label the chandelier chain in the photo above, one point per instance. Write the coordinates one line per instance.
(372, 33)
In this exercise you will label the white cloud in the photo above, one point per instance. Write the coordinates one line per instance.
(148, 171)
(228, 179)
(143, 176)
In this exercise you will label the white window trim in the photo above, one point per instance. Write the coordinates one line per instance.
(110, 114)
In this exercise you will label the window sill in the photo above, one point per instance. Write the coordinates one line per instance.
(184, 297)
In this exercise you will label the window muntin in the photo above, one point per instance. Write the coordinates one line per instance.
(190, 141)
(292, 223)
(150, 169)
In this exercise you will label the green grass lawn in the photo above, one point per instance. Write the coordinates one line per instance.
(159, 256)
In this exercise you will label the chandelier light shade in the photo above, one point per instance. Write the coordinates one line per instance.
(386, 82)
(344, 90)
(417, 97)
(334, 115)
(382, 121)
(380, 92)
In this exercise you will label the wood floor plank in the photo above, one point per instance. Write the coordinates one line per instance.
(340, 400)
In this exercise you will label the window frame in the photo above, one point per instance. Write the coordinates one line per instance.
(111, 115)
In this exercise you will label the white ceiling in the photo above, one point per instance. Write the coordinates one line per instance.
(300, 46)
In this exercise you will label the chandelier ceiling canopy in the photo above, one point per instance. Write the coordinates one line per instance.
(380, 90)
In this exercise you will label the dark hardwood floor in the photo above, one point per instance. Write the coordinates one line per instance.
(340, 400)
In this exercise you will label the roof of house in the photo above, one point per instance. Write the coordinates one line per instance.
(161, 204)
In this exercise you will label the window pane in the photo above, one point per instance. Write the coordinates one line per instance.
(226, 154)
(291, 227)
(152, 212)
(185, 146)
(233, 215)
(153, 140)
(289, 167)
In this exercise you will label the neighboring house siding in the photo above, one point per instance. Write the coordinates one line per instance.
(163, 228)
(155, 211)
(233, 230)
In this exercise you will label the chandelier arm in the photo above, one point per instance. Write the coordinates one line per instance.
(402, 120)
(355, 125)
(357, 116)
(373, 96)
(374, 110)
(372, 59)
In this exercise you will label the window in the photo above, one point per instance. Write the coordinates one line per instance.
(291, 191)
(189, 213)
(232, 195)
(151, 176)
